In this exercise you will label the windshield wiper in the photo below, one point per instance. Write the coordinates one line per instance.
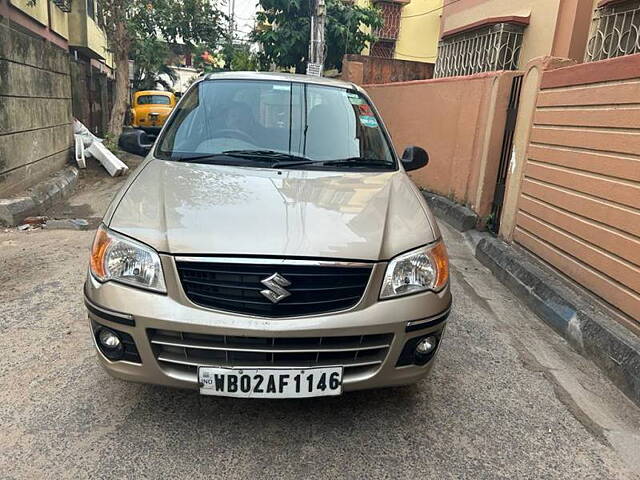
(256, 155)
(265, 154)
(358, 162)
(286, 160)
(343, 162)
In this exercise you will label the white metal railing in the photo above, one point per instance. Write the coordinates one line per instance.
(615, 32)
(496, 47)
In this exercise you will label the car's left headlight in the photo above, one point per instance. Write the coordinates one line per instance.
(422, 269)
(116, 257)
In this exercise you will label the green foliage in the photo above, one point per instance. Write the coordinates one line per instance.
(130, 23)
(190, 21)
(141, 25)
(205, 60)
(196, 24)
(244, 60)
(149, 56)
(284, 30)
(238, 57)
(110, 141)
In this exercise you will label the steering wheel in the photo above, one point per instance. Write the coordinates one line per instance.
(233, 133)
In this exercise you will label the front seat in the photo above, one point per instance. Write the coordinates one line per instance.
(326, 124)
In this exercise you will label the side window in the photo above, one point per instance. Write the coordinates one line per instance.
(191, 130)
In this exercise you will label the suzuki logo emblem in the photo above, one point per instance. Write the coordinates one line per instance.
(275, 284)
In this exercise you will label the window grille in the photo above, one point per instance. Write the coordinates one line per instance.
(383, 49)
(387, 35)
(615, 31)
(495, 47)
(391, 16)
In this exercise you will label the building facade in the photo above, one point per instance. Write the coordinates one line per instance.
(91, 67)
(35, 93)
(488, 35)
(419, 31)
(411, 29)
(41, 90)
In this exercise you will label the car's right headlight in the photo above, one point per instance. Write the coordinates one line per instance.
(422, 269)
(116, 257)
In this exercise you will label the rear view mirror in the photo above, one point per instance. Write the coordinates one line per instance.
(135, 141)
(414, 158)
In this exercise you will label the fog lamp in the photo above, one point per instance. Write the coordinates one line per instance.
(109, 339)
(426, 345)
(110, 344)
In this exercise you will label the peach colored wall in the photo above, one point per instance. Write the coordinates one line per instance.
(572, 29)
(460, 122)
(579, 197)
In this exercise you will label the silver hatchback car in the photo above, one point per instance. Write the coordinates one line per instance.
(270, 245)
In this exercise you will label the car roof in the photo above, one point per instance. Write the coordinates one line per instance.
(153, 92)
(281, 77)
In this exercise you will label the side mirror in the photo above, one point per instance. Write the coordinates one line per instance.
(135, 141)
(414, 158)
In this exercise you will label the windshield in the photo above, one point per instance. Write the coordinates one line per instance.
(154, 100)
(309, 123)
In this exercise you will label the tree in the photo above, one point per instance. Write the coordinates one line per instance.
(149, 57)
(238, 56)
(131, 23)
(243, 59)
(284, 28)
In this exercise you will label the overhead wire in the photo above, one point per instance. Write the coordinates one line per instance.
(442, 7)
(415, 56)
(433, 10)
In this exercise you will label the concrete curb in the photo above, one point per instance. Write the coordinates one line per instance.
(570, 310)
(38, 198)
(458, 216)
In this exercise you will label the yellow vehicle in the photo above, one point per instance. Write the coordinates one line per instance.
(150, 109)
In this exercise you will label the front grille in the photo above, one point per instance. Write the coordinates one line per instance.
(236, 287)
(187, 351)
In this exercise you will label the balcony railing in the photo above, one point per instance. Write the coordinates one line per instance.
(615, 32)
(496, 47)
(391, 12)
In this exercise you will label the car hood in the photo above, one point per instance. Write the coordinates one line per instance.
(187, 208)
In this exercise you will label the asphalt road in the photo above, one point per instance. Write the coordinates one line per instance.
(508, 398)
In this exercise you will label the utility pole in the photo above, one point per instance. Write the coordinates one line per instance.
(231, 33)
(232, 13)
(316, 43)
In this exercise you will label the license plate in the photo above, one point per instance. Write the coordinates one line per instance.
(270, 382)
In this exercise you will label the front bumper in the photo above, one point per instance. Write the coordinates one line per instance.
(138, 312)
